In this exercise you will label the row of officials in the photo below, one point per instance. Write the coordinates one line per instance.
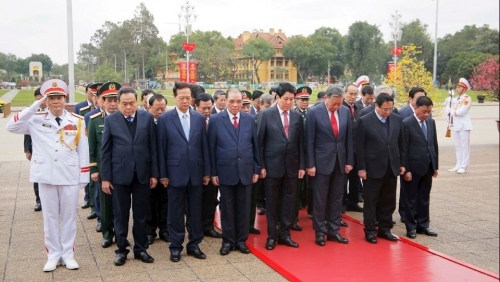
(169, 166)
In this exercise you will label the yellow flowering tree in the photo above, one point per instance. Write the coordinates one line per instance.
(410, 73)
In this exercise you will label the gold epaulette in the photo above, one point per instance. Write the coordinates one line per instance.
(95, 115)
(84, 108)
(41, 113)
(78, 116)
(93, 164)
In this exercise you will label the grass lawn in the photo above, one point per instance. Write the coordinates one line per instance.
(26, 97)
(3, 91)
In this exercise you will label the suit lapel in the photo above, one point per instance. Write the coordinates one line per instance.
(376, 123)
(177, 123)
(191, 124)
(277, 119)
(122, 123)
(140, 124)
(392, 124)
(326, 119)
(229, 125)
(419, 129)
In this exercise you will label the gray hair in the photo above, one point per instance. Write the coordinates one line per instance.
(234, 90)
(334, 91)
(383, 89)
(218, 93)
(266, 98)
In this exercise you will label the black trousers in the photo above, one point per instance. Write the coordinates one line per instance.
(328, 190)
(379, 202)
(261, 194)
(180, 200)
(416, 201)
(235, 213)
(278, 190)
(256, 187)
(37, 195)
(208, 206)
(351, 197)
(158, 205)
(401, 208)
(123, 196)
(302, 196)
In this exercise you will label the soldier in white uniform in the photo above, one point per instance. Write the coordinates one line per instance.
(460, 124)
(60, 164)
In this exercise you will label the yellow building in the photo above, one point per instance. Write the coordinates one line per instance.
(277, 69)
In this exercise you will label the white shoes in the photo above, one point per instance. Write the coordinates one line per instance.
(71, 263)
(51, 265)
(453, 169)
(461, 171)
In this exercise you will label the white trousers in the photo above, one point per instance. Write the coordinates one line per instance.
(59, 204)
(462, 146)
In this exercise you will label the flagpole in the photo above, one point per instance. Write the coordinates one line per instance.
(71, 63)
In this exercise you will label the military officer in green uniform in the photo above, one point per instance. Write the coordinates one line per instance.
(108, 92)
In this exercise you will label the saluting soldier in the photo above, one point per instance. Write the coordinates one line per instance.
(95, 129)
(59, 164)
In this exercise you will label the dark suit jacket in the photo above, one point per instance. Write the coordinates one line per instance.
(322, 147)
(371, 108)
(405, 111)
(79, 106)
(354, 120)
(374, 151)
(120, 155)
(279, 154)
(214, 111)
(360, 105)
(179, 160)
(234, 157)
(419, 152)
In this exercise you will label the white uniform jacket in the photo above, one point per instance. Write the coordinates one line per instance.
(60, 152)
(460, 112)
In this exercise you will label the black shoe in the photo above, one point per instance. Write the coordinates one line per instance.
(261, 211)
(402, 219)
(270, 244)
(411, 234)
(296, 227)
(344, 208)
(212, 233)
(85, 205)
(360, 199)
(38, 207)
(120, 259)
(243, 249)
(144, 257)
(92, 215)
(354, 208)
(197, 254)
(106, 243)
(370, 238)
(175, 256)
(343, 224)
(98, 227)
(288, 241)
(337, 238)
(427, 232)
(225, 249)
(151, 239)
(388, 236)
(164, 236)
(254, 230)
(320, 240)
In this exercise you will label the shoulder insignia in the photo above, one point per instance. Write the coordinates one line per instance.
(84, 108)
(41, 113)
(78, 116)
(465, 96)
(466, 102)
(95, 115)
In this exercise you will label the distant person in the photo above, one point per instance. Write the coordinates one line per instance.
(220, 98)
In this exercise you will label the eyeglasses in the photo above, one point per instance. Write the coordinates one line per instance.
(387, 109)
(161, 109)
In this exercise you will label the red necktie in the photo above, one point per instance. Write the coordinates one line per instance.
(235, 121)
(335, 127)
(352, 110)
(285, 119)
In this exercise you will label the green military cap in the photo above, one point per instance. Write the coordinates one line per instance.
(303, 92)
(94, 87)
(109, 89)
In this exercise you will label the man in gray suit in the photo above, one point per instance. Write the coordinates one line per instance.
(329, 157)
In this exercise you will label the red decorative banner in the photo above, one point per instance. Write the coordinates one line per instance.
(183, 71)
(189, 47)
(390, 68)
(192, 72)
(397, 51)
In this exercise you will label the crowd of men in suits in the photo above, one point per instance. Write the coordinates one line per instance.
(264, 153)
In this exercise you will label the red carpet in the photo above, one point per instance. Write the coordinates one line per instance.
(359, 260)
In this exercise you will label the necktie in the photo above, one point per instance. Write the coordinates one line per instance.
(383, 120)
(206, 124)
(352, 110)
(335, 127)
(58, 119)
(286, 123)
(130, 118)
(235, 121)
(185, 125)
(424, 128)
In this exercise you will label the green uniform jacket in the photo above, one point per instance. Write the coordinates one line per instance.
(85, 110)
(94, 129)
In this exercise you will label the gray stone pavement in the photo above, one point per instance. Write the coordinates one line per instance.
(7, 97)
(464, 210)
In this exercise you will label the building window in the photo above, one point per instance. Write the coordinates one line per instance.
(279, 62)
(272, 75)
(286, 63)
(272, 62)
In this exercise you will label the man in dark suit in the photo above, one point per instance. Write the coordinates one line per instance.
(367, 97)
(255, 108)
(421, 165)
(351, 197)
(405, 112)
(378, 90)
(129, 169)
(234, 156)
(281, 145)
(329, 157)
(184, 169)
(380, 158)
(220, 99)
(204, 103)
(28, 150)
(88, 104)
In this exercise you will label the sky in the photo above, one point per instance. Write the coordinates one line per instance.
(34, 26)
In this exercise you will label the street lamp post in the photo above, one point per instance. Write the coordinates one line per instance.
(187, 11)
(434, 68)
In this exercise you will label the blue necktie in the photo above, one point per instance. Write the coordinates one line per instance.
(130, 118)
(424, 128)
(383, 120)
(185, 125)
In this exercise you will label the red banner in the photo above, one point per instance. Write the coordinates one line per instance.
(189, 47)
(192, 72)
(397, 51)
(390, 68)
(183, 71)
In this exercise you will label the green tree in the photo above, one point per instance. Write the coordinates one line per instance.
(462, 64)
(260, 50)
(298, 49)
(8, 63)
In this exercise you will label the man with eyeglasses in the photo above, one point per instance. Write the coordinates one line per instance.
(380, 159)
(378, 91)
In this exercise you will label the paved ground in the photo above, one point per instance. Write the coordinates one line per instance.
(464, 210)
(7, 97)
